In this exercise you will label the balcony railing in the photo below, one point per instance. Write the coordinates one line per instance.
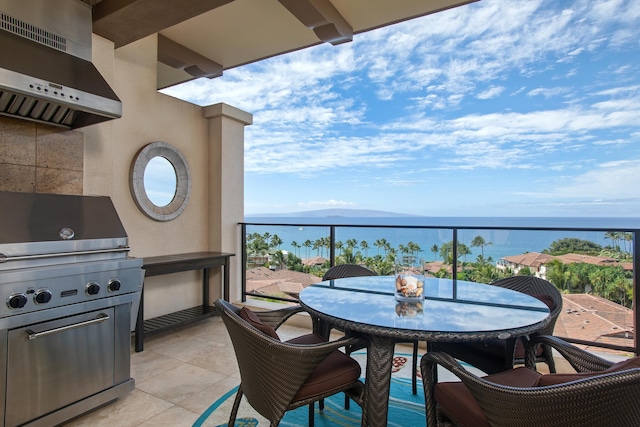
(379, 245)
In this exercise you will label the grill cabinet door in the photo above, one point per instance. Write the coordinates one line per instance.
(59, 362)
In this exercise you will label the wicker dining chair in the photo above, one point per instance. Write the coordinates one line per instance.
(277, 376)
(341, 271)
(601, 393)
(497, 355)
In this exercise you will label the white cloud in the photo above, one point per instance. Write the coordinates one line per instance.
(612, 180)
(613, 142)
(547, 92)
(491, 92)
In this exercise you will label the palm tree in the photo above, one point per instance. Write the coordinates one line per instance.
(404, 252)
(434, 249)
(463, 250)
(276, 241)
(387, 248)
(627, 237)
(348, 257)
(558, 274)
(307, 244)
(326, 243)
(318, 247)
(279, 259)
(446, 252)
(381, 244)
(296, 246)
(352, 244)
(478, 241)
(614, 236)
(365, 247)
(414, 248)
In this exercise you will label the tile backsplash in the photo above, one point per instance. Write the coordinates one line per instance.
(37, 158)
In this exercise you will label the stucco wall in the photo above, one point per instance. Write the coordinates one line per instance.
(150, 116)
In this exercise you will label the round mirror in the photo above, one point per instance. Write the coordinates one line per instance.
(160, 181)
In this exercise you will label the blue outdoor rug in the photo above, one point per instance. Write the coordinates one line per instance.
(405, 409)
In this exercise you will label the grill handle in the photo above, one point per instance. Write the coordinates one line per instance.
(5, 258)
(33, 335)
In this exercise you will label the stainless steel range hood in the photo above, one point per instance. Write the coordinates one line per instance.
(46, 74)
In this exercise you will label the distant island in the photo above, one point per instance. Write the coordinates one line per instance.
(333, 213)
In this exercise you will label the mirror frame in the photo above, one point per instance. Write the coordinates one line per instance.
(183, 181)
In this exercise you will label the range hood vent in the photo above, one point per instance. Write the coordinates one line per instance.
(46, 74)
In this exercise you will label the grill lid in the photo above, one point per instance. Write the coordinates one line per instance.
(44, 225)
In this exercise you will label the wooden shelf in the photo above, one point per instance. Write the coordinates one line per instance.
(178, 318)
(155, 266)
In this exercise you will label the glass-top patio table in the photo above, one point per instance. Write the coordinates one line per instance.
(450, 311)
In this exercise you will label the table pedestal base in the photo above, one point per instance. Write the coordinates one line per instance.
(378, 379)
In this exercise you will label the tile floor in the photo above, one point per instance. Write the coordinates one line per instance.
(179, 375)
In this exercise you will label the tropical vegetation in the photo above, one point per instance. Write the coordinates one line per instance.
(611, 282)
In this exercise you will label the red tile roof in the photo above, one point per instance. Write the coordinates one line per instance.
(530, 259)
(593, 318)
(263, 280)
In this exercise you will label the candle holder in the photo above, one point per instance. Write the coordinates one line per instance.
(409, 282)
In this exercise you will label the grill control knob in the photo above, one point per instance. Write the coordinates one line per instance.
(114, 285)
(93, 288)
(17, 301)
(42, 296)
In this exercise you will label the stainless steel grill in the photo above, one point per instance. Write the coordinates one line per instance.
(71, 293)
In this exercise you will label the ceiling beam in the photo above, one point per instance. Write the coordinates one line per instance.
(177, 56)
(125, 21)
(323, 18)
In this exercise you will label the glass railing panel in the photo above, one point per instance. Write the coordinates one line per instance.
(380, 248)
(603, 272)
(264, 241)
(274, 267)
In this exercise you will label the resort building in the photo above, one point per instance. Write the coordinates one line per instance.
(592, 318)
(536, 262)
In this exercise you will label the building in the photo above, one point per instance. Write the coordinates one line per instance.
(593, 318)
(536, 262)
(284, 283)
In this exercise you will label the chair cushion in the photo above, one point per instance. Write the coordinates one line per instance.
(333, 373)
(250, 317)
(459, 404)
(551, 379)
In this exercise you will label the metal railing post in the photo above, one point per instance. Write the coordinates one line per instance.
(454, 268)
(332, 245)
(243, 260)
(635, 281)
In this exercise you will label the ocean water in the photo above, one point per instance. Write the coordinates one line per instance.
(500, 234)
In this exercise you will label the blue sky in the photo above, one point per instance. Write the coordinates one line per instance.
(497, 108)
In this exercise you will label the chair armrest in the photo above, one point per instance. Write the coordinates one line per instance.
(606, 399)
(352, 341)
(429, 370)
(580, 360)
(275, 318)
